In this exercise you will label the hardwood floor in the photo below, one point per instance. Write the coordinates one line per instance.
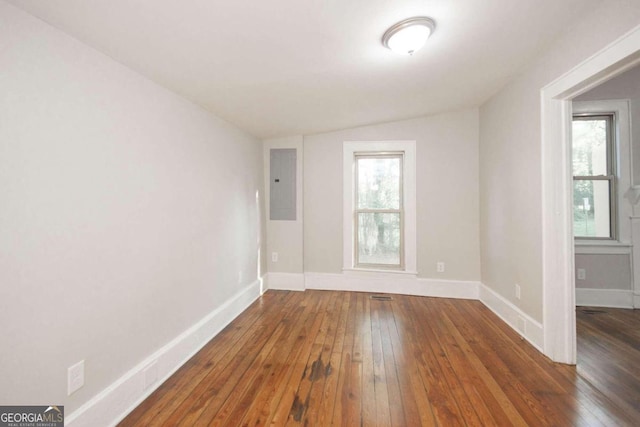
(609, 353)
(319, 358)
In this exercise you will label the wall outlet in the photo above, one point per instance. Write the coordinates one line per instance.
(582, 274)
(440, 266)
(75, 377)
(517, 291)
(274, 256)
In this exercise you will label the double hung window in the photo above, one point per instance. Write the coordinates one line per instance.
(378, 213)
(594, 176)
(379, 209)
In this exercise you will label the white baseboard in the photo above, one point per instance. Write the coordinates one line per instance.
(391, 283)
(285, 281)
(636, 300)
(613, 298)
(522, 323)
(116, 401)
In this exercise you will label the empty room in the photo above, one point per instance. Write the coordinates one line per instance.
(356, 213)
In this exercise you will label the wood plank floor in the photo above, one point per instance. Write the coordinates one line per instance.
(319, 358)
(609, 353)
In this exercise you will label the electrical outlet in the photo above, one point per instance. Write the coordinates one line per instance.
(440, 266)
(75, 377)
(582, 274)
(517, 291)
(274, 256)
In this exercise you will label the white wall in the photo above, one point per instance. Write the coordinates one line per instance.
(604, 271)
(285, 237)
(127, 214)
(510, 157)
(447, 193)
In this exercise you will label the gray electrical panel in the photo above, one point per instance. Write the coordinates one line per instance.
(282, 184)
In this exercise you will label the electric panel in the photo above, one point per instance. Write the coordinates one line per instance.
(282, 184)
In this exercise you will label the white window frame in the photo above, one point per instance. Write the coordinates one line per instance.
(357, 210)
(408, 148)
(621, 134)
(610, 177)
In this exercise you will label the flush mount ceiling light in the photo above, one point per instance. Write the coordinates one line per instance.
(409, 35)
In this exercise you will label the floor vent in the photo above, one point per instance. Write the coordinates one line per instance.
(381, 297)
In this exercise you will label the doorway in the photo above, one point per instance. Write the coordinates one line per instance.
(608, 342)
(559, 320)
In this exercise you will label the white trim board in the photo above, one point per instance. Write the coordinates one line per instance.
(612, 298)
(392, 283)
(619, 249)
(285, 281)
(526, 326)
(635, 260)
(121, 397)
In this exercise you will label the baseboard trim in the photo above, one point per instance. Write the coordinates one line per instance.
(612, 298)
(526, 326)
(285, 281)
(117, 400)
(391, 283)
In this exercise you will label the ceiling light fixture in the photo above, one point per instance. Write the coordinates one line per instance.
(409, 35)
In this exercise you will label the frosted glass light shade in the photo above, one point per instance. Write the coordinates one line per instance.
(407, 36)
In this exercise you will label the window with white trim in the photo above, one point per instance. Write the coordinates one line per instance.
(379, 212)
(594, 176)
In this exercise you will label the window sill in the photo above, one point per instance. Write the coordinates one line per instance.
(366, 271)
(602, 247)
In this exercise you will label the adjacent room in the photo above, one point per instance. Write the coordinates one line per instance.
(320, 212)
(605, 122)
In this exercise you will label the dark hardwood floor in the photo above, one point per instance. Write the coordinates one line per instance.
(320, 358)
(609, 353)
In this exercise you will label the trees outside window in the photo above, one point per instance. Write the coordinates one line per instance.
(594, 182)
(378, 214)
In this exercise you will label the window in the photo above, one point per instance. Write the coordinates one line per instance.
(594, 178)
(379, 210)
(378, 213)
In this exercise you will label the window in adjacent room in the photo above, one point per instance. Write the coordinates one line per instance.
(594, 176)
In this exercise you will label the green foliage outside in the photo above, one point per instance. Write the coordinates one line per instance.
(589, 158)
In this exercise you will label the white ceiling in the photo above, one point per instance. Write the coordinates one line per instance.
(284, 67)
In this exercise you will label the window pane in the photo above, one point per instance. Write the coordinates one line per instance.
(591, 208)
(379, 238)
(378, 183)
(590, 147)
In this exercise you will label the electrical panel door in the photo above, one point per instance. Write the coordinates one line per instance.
(282, 184)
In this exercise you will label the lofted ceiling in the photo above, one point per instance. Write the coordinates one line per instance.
(285, 67)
